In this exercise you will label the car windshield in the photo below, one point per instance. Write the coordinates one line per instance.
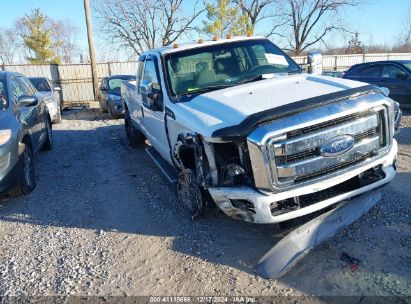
(407, 65)
(114, 84)
(219, 66)
(3, 95)
(40, 84)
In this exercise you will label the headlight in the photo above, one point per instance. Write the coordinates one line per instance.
(5, 136)
(115, 98)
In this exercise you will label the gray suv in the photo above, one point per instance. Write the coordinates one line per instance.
(25, 128)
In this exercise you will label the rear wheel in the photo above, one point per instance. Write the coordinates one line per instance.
(27, 180)
(135, 138)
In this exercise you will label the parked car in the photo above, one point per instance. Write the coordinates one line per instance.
(337, 74)
(110, 95)
(51, 96)
(25, 128)
(394, 75)
(237, 123)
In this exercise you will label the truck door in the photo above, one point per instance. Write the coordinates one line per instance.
(152, 98)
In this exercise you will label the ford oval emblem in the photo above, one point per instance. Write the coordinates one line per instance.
(337, 145)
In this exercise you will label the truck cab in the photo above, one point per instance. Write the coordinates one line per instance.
(244, 128)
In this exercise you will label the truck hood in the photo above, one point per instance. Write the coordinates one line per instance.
(228, 107)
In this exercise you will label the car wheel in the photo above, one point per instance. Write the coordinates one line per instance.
(48, 144)
(135, 138)
(190, 193)
(109, 112)
(104, 110)
(27, 181)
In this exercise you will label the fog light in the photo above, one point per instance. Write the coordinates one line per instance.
(243, 205)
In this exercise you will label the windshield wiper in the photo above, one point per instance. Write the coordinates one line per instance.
(208, 89)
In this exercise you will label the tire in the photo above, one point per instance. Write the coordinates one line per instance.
(27, 181)
(135, 139)
(104, 109)
(110, 114)
(48, 144)
(190, 194)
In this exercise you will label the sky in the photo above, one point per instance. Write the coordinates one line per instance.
(379, 22)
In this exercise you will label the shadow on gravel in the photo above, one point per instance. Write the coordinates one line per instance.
(92, 180)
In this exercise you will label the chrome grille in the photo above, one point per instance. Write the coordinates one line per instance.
(285, 152)
(296, 157)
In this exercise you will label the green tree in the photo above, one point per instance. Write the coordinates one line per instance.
(37, 37)
(225, 18)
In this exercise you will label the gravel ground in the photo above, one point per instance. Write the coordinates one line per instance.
(103, 221)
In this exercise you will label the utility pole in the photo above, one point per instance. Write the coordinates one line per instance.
(91, 48)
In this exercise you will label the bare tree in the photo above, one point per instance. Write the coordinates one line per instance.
(253, 9)
(64, 35)
(144, 24)
(403, 43)
(10, 47)
(308, 22)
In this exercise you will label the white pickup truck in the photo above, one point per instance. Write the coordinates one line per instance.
(242, 126)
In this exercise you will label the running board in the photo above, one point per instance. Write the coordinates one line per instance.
(168, 171)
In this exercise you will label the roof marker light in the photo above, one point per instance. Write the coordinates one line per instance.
(249, 34)
(215, 38)
(200, 40)
(175, 45)
(229, 36)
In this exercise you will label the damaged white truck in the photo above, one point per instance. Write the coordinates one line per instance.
(239, 124)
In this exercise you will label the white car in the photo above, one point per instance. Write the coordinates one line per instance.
(243, 127)
(51, 96)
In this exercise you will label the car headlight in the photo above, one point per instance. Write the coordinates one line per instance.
(5, 136)
(115, 98)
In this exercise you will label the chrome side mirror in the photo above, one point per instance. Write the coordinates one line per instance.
(28, 101)
(151, 95)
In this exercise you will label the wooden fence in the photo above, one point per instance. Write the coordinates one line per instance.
(77, 87)
(74, 79)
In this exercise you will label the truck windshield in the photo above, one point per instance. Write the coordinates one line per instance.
(41, 84)
(224, 65)
(3, 95)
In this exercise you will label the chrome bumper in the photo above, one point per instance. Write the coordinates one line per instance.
(262, 201)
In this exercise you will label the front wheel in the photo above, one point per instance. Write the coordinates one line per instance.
(27, 180)
(190, 193)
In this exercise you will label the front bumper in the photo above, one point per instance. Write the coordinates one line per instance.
(10, 179)
(116, 108)
(261, 202)
(52, 107)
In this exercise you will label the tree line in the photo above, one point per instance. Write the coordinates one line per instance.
(137, 25)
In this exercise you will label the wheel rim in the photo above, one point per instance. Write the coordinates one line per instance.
(189, 192)
(28, 167)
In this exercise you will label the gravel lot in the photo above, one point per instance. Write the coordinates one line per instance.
(103, 221)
